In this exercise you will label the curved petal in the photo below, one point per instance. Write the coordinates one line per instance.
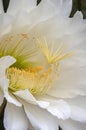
(1, 7)
(72, 125)
(76, 23)
(78, 114)
(57, 107)
(60, 109)
(16, 6)
(1, 97)
(64, 7)
(78, 108)
(70, 83)
(15, 118)
(4, 83)
(5, 62)
(5, 23)
(28, 97)
(39, 118)
(42, 12)
(79, 101)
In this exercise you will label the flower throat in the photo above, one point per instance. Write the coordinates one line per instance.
(29, 72)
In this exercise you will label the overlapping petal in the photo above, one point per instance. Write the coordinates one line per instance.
(63, 7)
(5, 24)
(70, 84)
(72, 125)
(1, 97)
(15, 118)
(1, 7)
(29, 98)
(40, 118)
(18, 5)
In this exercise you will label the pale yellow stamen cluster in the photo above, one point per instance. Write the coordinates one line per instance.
(20, 47)
(51, 55)
(32, 79)
(29, 72)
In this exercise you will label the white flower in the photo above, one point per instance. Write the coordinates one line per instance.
(43, 66)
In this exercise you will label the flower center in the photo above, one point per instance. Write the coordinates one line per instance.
(33, 79)
(31, 53)
(21, 46)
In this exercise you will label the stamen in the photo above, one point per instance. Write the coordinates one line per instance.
(32, 79)
(51, 55)
(24, 74)
(16, 45)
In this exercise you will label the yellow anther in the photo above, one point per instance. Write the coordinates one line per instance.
(34, 81)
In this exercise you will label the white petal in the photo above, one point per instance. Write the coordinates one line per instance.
(78, 114)
(72, 125)
(28, 97)
(48, 25)
(1, 7)
(66, 7)
(70, 83)
(78, 108)
(4, 83)
(15, 6)
(39, 118)
(76, 23)
(5, 23)
(1, 97)
(5, 62)
(78, 101)
(60, 109)
(42, 12)
(70, 31)
(63, 6)
(18, 26)
(15, 118)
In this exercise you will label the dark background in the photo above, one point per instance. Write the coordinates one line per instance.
(77, 5)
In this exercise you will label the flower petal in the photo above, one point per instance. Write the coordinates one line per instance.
(64, 7)
(42, 12)
(78, 108)
(72, 125)
(78, 114)
(28, 97)
(15, 118)
(60, 109)
(78, 101)
(15, 6)
(4, 83)
(39, 118)
(5, 62)
(70, 83)
(76, 22)
(1, 7)
(5, 23)
(1, 97)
